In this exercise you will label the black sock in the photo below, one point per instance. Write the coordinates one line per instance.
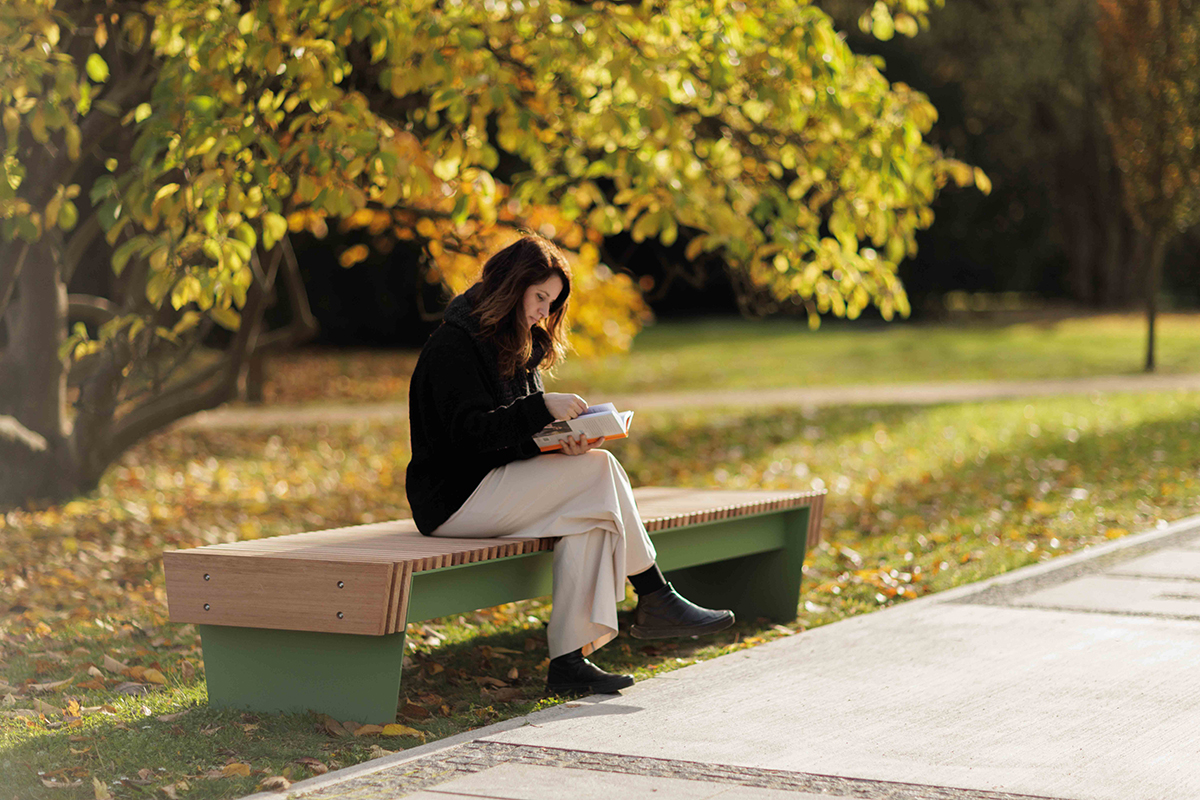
(567, 656)
(648, 581)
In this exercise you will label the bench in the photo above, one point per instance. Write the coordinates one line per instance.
(316, 620)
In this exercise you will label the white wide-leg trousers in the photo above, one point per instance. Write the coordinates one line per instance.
(586, 500)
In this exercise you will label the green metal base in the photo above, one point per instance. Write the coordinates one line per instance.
(757, 584)
(749, 564)
(346, 676)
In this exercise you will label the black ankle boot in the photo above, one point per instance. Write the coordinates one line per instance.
(663, 613)
(574, 674)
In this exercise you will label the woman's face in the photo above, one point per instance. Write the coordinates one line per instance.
(538, 298)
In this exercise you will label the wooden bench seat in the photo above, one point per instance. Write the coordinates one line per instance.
(316, 620)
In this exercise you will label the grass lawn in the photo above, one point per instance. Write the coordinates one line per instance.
(732, 353)
(102, 695)
(740, 354)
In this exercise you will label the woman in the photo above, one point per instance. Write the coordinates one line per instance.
(475, 402)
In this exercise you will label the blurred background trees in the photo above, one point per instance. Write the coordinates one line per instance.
(1021, 92)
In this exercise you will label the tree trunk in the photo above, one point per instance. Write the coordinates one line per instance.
(1158, 249)
(44, 457)
(33, 458)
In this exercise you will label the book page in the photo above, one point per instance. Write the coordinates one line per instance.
(596, 425)
(600, 409)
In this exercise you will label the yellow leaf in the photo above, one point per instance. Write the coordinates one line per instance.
(154, 676)
(100, 790)
(352, 255)
(982, 181)
(368, 730)
(396, 729)
(238, 768)
(1115, 533)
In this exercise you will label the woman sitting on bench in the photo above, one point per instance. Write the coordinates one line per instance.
(475, 402)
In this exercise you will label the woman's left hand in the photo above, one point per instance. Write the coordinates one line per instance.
(577, 447)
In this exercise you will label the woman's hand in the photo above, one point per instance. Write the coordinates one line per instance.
(564, 406)
(577, 447)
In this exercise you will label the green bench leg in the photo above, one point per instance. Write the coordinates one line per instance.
(346, 676)
(765, 584)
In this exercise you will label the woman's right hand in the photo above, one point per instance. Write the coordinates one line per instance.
(564, 406)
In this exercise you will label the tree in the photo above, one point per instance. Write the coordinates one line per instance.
(1151, 69)
(179, 143)
(1017, 85)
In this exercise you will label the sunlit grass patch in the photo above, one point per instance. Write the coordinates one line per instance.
(921, 499)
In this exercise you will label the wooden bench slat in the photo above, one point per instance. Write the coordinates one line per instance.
(288, 594)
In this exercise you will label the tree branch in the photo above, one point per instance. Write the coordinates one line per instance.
(303, 325)
(10, 270)
(178, 403)
(90, 309)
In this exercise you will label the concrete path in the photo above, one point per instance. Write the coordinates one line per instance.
(1074, 679)
(908, 394)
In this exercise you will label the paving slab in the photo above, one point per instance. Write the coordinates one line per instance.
(1173, 563)
(970, 697)
(1129, 595)
(1055, 681)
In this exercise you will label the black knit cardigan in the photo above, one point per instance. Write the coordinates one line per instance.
(463, 419)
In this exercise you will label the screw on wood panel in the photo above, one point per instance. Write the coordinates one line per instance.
(206, 606)
(341, 615)
(341, 584)
(206, 576)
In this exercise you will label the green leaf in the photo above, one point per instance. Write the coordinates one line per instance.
(68, 215)
(245, 233)
(122, 254)
(97, 69)
(274, 228)
(227, 318)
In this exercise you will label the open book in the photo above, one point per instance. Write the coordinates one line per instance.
(598, 422)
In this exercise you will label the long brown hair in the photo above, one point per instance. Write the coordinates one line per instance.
(500, 305)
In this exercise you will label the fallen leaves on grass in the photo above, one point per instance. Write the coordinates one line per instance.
(414, 711)
(275, 783)
(311, 375)
(396, 729)
(315, 766)
(172, 790)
